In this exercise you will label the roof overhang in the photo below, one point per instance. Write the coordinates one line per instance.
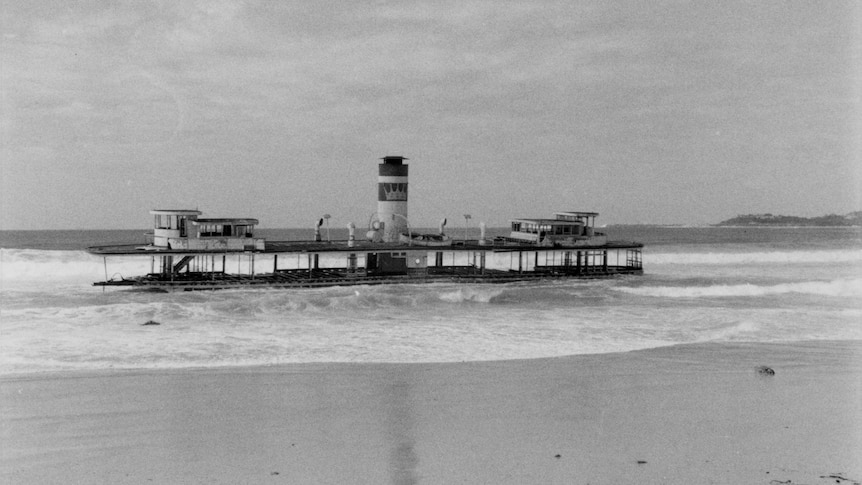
(555, 222)
(250, 222)
(175, 212)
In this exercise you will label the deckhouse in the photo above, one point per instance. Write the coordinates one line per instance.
(571, 228)
(182, 229)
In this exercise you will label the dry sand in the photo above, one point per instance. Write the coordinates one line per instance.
(689, 414)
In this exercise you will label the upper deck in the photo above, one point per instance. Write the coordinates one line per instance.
(495, 245)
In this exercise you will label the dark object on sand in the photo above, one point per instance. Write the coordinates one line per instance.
(641, 462)
(766, 371)
(151, 322)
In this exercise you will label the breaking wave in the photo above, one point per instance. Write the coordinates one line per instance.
(848, 288)
(762, 257)
(45, 265)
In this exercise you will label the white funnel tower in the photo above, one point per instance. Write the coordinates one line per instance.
(392, 197)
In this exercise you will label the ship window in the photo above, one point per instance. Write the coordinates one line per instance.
(516, 226)
(212, 230)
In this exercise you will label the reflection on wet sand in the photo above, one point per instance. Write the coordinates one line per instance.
(400, 430)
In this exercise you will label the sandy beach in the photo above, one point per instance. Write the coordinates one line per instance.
(696, 413)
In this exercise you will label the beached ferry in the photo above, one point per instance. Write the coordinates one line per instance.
(188, 252)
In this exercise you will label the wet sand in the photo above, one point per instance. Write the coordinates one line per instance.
(687, 414)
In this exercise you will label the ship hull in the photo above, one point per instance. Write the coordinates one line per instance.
(340, 277)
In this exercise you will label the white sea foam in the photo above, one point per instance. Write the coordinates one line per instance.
(756, 257)
(847, 288)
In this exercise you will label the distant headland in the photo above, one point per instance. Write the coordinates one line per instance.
(851, 219)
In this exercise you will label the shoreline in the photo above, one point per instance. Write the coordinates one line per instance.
(691, 413)
(285, 366)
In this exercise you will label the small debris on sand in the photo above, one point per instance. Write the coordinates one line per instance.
(641, 462)
(765, 371)
(557, 456)
(151, 322)
(838, 478)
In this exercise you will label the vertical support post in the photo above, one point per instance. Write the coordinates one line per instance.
(605, 261)
(275, 264)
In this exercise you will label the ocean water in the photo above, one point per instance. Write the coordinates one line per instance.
(701, 284)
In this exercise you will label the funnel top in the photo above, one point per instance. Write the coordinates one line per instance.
(394, 159)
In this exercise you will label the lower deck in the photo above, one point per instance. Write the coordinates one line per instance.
(303, 278)
(371, 265)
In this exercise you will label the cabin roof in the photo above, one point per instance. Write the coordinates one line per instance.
(578, 213)
(175, 212)
(246, 221)
(555, 222)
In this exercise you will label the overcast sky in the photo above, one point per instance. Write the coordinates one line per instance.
(647, 112)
